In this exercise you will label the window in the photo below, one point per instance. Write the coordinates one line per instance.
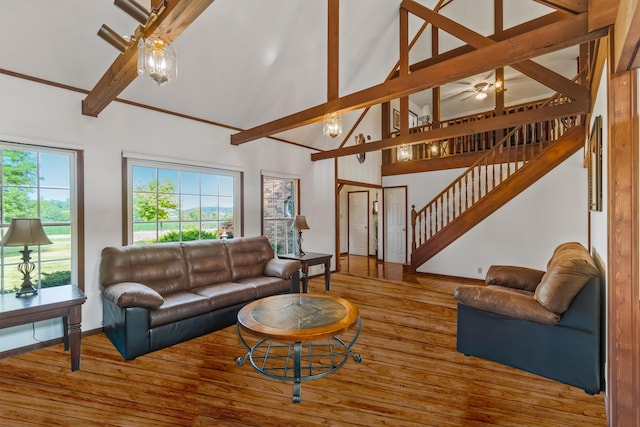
(279, 209)
(175, 203)
(38, 182)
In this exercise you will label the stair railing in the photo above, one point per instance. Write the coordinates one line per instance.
(518, 147)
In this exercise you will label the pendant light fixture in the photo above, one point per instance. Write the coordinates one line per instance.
(158, 60)
(332, 125)
(404, 153)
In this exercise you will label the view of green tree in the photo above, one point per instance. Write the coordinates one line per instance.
(19, 172)
(154, 201)
(55, 210)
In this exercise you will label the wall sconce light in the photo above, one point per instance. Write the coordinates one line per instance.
(404, 153)
(375, 209)
(299, 224)
(332, 125)
(158, 59)
(25, 232)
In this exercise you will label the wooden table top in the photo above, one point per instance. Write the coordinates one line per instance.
(308, 256)
(298, 317)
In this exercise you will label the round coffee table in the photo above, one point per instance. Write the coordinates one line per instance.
(298, 336)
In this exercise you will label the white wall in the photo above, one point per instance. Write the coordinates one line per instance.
(524, 232)
(599, 246)
(35, 113)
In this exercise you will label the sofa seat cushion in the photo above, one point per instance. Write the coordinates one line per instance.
(266, 285)
(227, 294)
(178, 306)
(506, 301)
(568, 270)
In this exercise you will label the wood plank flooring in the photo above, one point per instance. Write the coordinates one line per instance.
(410, 375)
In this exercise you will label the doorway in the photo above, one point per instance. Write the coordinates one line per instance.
(358, 222)
(395, 224)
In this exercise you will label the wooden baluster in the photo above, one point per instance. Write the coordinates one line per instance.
(413, 228)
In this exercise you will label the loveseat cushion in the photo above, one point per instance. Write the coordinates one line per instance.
(160, 266)
(248, 256)
(178, 306)
(506, 301)
(207, 262)
(514, 277)
(568, 270)
(130, 294)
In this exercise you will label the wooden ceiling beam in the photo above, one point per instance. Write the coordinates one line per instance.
(505, 34)
(549, 38)
(572, 6)
(498, 122)
(541, 74)
(602, 13)
(333, 48)
(627, 36)
(176, 17)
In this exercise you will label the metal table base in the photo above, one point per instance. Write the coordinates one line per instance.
(299, 361)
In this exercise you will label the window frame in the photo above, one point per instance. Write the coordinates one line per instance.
(296, 209)
(128, 215)
(76, 212)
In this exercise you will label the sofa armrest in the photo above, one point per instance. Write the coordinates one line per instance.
(508, 302)
(131, 294)
(282, 268)
(514, 277)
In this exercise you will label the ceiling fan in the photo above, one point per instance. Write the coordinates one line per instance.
(481, 90)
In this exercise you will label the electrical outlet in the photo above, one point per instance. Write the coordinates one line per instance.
(479, 270)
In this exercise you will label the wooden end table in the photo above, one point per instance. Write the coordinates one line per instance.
(298, 336)
(309, 259)
(49, 303)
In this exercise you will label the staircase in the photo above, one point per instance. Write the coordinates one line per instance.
(522, 157)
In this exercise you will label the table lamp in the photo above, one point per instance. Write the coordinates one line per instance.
(299, 224)
(25, 232)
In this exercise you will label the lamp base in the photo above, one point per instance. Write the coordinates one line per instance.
(26, 291)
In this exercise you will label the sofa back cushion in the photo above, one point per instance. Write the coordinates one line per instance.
(568, 270)
(160, 266)
(207, 262)
(248, 255)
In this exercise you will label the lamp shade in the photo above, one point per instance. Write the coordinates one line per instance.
(300, 223)
(25, 232)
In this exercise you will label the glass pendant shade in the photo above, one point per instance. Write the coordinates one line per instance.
(158, 59)
(404, 153)
(332, 125)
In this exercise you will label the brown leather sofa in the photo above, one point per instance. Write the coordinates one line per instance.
(545, 322)
(161, 294)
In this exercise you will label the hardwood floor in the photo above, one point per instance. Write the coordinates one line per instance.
(410, 375)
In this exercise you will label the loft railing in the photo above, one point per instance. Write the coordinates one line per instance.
(517, 148)
(473, 143)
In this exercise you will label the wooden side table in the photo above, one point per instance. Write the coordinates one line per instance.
(49, 303)
(309, 259)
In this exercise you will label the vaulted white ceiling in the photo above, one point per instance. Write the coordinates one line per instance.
(247, 62)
